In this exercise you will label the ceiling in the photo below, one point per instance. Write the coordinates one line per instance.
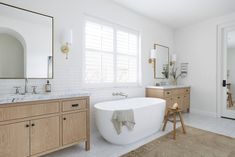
(179, 13)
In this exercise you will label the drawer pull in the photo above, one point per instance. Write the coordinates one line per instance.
(75, 105)
(33, 125)
(64, 118)
(178, 97)
(27, 125)
(168, 93)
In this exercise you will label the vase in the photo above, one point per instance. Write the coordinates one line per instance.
(174, 82)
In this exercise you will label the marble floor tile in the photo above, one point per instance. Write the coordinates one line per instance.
(102, 148)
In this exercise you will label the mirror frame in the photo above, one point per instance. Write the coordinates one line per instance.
(52, 20)
(155, 61)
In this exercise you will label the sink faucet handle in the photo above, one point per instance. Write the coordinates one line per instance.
(17, 90)
(34, 89)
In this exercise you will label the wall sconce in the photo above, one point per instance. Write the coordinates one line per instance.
(67, 40)
(152, 55)
(173, 59)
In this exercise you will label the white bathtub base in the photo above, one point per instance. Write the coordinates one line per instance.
(148, 112)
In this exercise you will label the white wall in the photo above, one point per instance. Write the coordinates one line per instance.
(68, 74)
(71, 15)
(197, 45)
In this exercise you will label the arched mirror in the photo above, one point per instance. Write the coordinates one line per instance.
(26, 43)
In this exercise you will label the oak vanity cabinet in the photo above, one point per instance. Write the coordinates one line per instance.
(36, 128)
(172, 95)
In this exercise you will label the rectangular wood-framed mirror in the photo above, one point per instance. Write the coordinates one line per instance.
(26, 43)
(161, 63)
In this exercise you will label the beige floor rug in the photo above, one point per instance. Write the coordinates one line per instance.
(195, 143)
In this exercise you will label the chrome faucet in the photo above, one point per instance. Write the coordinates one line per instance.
(17, 89)
(120, 94)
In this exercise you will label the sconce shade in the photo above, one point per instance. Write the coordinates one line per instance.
(173, 57)
(153, 54)
(67, 37)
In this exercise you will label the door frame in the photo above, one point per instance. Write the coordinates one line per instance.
(220, 96)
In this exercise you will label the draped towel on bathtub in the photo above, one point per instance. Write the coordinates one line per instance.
(123, 118)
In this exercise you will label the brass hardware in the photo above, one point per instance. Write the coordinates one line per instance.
(33, 124)
(65, 49)
(27, 125)
(151, 61)
(64, 118)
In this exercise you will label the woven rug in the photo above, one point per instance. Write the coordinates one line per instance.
(195, 143)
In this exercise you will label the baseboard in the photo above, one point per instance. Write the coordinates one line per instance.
(204, 113)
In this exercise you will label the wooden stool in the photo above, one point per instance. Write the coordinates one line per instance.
(229, 100)
(174, 111)
(229, 95)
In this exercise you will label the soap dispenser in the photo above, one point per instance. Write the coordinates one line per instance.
(48, 86)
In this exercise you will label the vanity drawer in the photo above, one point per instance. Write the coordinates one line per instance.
(71, 105)
(182, 91)
(24, 111)
(167, 93)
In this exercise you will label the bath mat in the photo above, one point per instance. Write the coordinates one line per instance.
(196, 143)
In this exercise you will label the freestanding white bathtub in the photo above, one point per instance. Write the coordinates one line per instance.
(148, 113)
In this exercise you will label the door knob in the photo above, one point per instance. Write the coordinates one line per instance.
(224, 83)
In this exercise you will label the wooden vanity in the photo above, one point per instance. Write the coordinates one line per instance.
(35, 128)
(172, 94)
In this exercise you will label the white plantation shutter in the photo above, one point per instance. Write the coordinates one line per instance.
(127, 50)
(111, 54)
(99, 67)
(99, 37)
(127, 43)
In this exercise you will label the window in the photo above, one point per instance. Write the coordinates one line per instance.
(111, 54)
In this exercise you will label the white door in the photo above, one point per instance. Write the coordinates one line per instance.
(228, 73)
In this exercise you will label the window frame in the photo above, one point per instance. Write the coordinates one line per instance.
(115, 28)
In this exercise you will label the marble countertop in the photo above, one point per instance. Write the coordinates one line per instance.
(169, 86)
(13, 98)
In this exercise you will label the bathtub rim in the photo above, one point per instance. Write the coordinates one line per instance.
(97, 107)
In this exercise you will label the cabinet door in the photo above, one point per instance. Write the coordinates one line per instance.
(44, 134)
(74, 127)
(14, 140)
